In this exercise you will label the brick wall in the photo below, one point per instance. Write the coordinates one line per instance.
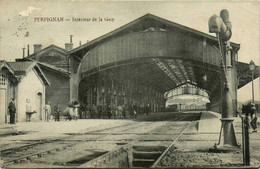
(58, 91)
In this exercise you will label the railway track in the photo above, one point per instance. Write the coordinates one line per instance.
(43, 149)
(171, 145)
(129, 148)
(19, 153)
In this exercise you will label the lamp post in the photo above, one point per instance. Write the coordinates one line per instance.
(252, 68)
(245, 123)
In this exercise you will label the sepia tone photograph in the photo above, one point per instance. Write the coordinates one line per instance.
(129, 84)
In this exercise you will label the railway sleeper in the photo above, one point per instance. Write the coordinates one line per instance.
(143, 162)
(145, 156)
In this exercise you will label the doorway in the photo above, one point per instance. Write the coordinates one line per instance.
(3, 107)
(39, 105)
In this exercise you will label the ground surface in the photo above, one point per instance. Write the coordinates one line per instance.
(192, 149)
(83, 140)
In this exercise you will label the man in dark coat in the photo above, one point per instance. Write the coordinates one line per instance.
(124, 110)
(57, 112)
(12, 111)
(99, 110)
(109, 114)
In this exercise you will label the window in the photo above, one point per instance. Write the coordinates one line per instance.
(3, 79)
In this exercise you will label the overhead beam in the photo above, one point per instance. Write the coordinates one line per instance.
(188, 73)
(179, 67)
(155, 79)
(158, 68)
(170, 69)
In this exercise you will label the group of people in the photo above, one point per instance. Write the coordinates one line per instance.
(72, 112)
(48, 112)
(113, 111)
(108, 112)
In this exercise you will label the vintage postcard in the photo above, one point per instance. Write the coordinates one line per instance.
(126, 84)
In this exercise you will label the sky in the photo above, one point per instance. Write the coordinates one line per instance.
(18, 27)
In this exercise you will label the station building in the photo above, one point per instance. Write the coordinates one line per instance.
(29, 91)
(53, 61)
(8, 87)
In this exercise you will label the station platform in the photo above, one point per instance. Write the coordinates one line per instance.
(210, 122)
(7, 129)
(208, 126)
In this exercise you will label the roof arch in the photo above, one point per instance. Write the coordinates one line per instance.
(149, 44)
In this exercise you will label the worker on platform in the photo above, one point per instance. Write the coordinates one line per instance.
(94, 111)
(147, 109)
(108, 109)
(254, 118)
(130, 110)
(47, 109)
(113, 110)
(12, 111)
(119, 111)
(135, 108)
(82, 111)
(99, 110)
(88, 110)
(124, 109)
(57, 111)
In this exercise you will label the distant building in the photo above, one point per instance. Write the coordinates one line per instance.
(30, 91)
(8, 83)
(52, 55)
(54, 63)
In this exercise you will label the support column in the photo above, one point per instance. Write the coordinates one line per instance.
(234, 76)
(227, 140)
(74, 84)
(231, 76)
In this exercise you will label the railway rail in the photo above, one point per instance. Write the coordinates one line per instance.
(40, 149)
(110, 156)
(169, 147)
(60, 145)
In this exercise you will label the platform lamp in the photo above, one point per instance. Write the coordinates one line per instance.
(246, 149)
(252, 68)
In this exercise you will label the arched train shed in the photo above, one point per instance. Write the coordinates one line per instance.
(140, 61)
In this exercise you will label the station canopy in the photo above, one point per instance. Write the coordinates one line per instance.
(163, 54)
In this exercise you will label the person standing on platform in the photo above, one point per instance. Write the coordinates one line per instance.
(57, 112)
(109, 114)
(254, 117)
(124, 110)
(99, 110)
(131, 110)
(88, 111)
(135, 110)
(148, 109)
(47, 109)
(12, 111)
(94, 111)
(83, 111)
(113, 110)
(120, 111)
